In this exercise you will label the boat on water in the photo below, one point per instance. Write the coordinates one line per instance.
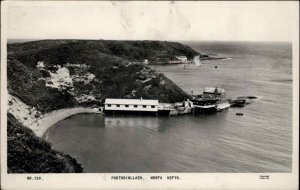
(222, 105)
(204, 106)
(212, 100)
(238, 102)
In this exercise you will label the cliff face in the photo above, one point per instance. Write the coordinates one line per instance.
(56, 74)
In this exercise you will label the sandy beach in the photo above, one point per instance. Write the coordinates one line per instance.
(51, 118)
(38, 122)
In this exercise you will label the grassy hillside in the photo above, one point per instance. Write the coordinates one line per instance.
(29, 154)
(115, 65)
(130, 50)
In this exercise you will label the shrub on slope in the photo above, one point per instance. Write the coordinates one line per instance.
(24, 83)
(27, 153)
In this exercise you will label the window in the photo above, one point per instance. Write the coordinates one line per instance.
(108, 105)
(144, 106)
(126, 106)
(135, 106)
(152, 106)
(118, 105)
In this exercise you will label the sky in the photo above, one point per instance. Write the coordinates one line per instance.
(178, 21)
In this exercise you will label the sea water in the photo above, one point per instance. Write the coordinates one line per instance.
(259, 141)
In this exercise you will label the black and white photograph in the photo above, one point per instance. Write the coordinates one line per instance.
(149, 94)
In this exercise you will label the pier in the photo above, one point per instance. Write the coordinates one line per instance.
(212, 100)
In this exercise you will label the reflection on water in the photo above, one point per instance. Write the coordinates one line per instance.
(148, 123)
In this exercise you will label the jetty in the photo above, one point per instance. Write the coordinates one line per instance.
(212, 100)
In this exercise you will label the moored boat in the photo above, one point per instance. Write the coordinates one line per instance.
(222, 105)
(204, 106)
(238, 102)
(212, 100)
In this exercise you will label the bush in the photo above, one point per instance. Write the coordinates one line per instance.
(24, 83)
(27, 153)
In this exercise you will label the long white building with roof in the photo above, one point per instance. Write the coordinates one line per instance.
(130, 105)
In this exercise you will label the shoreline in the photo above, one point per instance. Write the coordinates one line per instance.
(53, 117)
(182, 63)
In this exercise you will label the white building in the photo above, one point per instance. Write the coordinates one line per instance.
(179, 60)
(182, 58)
(140, 105)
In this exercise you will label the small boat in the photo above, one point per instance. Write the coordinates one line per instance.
(223, 105)
(238, 102)
(239, 114)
